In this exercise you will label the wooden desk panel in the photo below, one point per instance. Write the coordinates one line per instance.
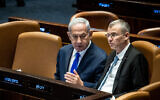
(45, 88)
(61, 30)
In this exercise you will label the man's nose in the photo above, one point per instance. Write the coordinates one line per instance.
(79, 40)
(110, 39)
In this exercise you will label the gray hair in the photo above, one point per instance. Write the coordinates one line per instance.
(79, 20)
(124, 25)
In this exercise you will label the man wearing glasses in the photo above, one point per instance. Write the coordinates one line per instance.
(81, 62)
(126, 68)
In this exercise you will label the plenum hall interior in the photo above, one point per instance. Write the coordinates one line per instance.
(58, 11)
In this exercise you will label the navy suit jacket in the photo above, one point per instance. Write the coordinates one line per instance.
(90, 68)
(132, 72)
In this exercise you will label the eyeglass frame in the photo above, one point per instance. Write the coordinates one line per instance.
(112, 35)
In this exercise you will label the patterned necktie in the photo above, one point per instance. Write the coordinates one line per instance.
(109, 71)
(75, 62)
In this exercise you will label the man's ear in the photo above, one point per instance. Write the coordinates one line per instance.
(127, 35)
(68, 33)
(90, 34)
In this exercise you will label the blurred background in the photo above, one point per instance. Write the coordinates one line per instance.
(58, 11)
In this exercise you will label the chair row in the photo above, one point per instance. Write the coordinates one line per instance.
(14, 48)
(149, 92)
(35, 50)
(25, 48)
(99, 21)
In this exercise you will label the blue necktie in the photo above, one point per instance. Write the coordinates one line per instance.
(75, 62)
(109, 71)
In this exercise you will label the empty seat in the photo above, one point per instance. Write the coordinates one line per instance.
(101, 41)
(9, 32)
(98, 20)
(36, 53)
(149, 50)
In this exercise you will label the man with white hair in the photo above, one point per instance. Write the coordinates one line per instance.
(81, 62)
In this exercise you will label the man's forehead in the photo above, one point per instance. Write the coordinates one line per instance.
(116, 27)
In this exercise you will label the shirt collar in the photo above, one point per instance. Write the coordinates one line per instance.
(121, 54)
(83, 51)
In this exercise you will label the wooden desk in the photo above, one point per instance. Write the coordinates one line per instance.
(45, 88)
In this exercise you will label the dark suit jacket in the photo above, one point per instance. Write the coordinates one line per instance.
(90, 68)
(132, 72)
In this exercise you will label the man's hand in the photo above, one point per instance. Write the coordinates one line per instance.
(73, 78)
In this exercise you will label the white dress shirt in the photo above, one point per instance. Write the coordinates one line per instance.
(108, 85)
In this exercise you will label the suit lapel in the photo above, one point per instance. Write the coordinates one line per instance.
(110, 60)
(67, 58)
(120, 68)
(84, 61)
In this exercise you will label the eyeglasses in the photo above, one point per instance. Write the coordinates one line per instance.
(82, 36)
(113, 34)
